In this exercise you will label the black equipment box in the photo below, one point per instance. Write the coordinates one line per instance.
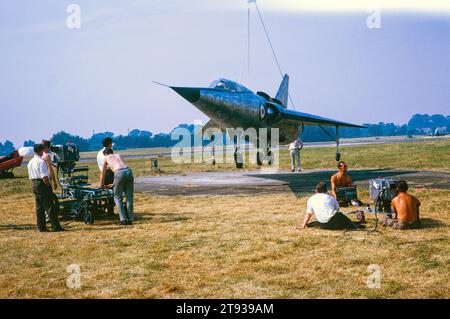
(345, 195)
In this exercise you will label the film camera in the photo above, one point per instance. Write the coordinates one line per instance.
(77, 199)
(382, 191)
(65, 158)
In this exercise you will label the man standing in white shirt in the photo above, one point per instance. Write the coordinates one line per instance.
(47, 156)
(107, 142)
(326, 210)
(109, 174)
(39, 175)
(294, 151)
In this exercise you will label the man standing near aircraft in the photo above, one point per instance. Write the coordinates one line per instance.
(294, 151)
(39, 175)
(123, 183)
(340, 179)
(47, 157)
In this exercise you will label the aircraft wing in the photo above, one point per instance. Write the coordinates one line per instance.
(309, 119)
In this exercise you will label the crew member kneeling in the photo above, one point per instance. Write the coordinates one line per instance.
(406, 208)
(326, 210)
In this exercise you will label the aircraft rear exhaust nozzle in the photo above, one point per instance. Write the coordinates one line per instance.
(190, 94)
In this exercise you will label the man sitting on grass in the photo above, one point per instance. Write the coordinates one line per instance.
(326, 210)
(406, 208)
(340, 179)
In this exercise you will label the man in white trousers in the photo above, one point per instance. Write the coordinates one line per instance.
(294, 151)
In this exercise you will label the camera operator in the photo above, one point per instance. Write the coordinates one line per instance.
(39, 175)
(340, 179)
(406, 208)
(123, 183)
(109, 174)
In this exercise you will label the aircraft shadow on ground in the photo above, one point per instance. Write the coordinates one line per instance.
(304, 183)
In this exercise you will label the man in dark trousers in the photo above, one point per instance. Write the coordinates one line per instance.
(326, 210)
(39, 175)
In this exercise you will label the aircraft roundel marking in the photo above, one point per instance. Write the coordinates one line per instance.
(263, 111)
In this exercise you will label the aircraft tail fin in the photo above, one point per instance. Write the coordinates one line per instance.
(283, 91)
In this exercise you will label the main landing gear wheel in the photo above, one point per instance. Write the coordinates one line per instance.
(238, 159)
(258, 159)
(270, 158)
(213, 150)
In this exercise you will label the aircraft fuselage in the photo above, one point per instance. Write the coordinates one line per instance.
(240, 110)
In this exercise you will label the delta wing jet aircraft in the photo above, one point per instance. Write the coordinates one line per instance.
(231, 105)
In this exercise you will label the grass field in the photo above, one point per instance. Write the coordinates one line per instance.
(232, 246)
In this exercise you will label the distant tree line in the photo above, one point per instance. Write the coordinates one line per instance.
(419, 124)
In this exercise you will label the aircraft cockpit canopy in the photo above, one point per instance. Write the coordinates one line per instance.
(228, 85)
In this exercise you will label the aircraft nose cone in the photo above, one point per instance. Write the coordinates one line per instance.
(190, 94)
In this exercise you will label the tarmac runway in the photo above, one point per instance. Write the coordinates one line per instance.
(344, 142)
(269, 182)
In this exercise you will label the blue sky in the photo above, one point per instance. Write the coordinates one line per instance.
(100, 77)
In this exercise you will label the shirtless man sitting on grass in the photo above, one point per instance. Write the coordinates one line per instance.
(340, 179)
(406, 209)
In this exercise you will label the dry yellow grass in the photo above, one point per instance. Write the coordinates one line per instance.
(227, 246)
(234, 246)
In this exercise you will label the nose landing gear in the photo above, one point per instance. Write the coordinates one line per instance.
(338, 154)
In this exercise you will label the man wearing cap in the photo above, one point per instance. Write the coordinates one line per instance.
(39, 175)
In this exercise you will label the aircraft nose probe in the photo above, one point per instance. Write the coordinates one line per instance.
(190, 94)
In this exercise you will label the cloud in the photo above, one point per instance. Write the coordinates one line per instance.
(429, 6)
